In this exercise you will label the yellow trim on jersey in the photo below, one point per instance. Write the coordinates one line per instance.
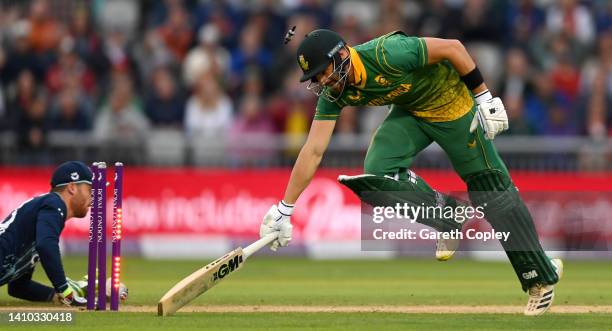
(424, 54)
(449, 112)
(358, 68)
(382, 51)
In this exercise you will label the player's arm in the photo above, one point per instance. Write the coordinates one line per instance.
(309, 158)
(277, 219)
(491, 112)
(48, 229)
(454, 52)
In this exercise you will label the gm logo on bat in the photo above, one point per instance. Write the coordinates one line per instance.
(228, 267)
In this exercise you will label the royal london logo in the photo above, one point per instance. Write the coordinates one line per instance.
(382, 80)
(303, 62)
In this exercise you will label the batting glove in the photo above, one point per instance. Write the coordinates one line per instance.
(278, 219)
(491, 115)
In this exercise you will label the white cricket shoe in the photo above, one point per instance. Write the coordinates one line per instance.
(540, 295)
(446, 248)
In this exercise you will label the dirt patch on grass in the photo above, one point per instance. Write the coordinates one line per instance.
(426, 309)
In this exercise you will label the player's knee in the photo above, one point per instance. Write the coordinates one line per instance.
(370, 166)
(15, 289)
(493, 190)
(488, 180)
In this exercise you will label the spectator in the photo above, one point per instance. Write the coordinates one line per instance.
(518, 122)
(525, 20)
(151, 54)
(33, 124)
(176, 32)
(118, 16)
(251, 133)
(87, 43)
(284, 57)
(70, 114)
(209, 110)
(434, 19)
(516, 81)
(250, 52)
(548, 111)
(207, 56)
(165, 104)
(69, 66)
(573, 20)
(22, 97)
(45, 30)
(121, 119)
(21, 57)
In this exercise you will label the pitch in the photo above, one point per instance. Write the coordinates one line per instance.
(398, 294)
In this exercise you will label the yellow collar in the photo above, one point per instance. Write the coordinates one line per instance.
(358, 68)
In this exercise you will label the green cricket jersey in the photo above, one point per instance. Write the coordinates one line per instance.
(393, 69)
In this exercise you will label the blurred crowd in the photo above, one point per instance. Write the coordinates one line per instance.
(219, 70)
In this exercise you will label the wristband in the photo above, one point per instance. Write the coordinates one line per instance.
(472, 79)
(285, 208)
(67, 291)
(483, 96)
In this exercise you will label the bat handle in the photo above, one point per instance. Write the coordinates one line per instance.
(254, 247)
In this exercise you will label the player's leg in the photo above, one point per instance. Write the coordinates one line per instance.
(490, 186)
(391, 152)
(27, 289)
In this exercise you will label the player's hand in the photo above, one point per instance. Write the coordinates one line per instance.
(79, 286)
(71, 298)
(491, 115)
(278, 219)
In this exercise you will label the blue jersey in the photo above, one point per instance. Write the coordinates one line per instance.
(31, 232)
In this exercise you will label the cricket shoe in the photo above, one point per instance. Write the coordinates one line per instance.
(541, 295)
(446, 248)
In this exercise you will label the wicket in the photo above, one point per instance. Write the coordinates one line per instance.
(96, 266)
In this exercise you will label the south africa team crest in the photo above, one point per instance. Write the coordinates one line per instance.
(303, 62)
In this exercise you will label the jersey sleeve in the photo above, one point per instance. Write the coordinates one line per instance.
(398, 53)
(49, 225)
(327, 110)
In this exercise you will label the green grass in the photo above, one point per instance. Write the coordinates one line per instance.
(328, 321)
(282, 281)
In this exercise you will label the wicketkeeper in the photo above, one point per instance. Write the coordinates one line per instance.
(31, 233)
(435, 93)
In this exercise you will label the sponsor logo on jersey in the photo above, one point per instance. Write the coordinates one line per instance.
(303, 62)
(382, 80)
(471, 144)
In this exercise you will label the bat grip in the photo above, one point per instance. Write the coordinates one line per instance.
(254, 247)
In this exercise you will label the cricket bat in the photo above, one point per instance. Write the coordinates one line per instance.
(212, 274)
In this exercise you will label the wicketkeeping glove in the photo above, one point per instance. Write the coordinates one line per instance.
(70, 297)
(491, 115)
(278, 219)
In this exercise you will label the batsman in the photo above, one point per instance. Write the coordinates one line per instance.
(435, 93)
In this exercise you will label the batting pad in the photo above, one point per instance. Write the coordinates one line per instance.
(506, 212)
(386, 191)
